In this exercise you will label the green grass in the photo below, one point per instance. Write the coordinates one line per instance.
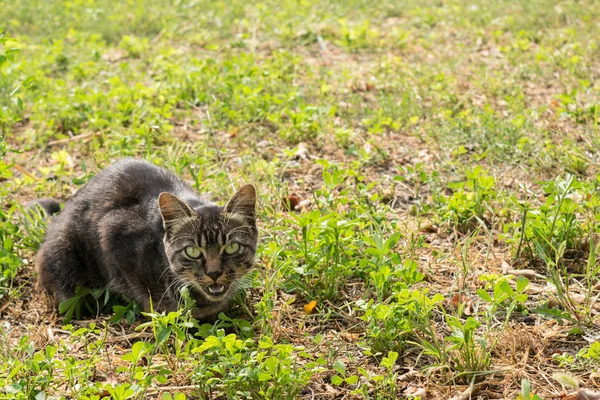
(450, 229)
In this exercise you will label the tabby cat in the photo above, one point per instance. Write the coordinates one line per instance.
(141, 232)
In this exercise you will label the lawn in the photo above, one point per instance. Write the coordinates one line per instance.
(428, 179)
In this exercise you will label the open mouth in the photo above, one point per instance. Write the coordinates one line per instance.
(216, 289)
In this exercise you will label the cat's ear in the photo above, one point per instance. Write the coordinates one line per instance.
(243, 201)
(172, 209)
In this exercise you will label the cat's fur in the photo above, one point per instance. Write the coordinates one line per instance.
(128, 229)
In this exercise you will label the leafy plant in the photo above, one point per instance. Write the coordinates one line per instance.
(466, 352)
(380, 386)
(340, 379)
(390, 325)
(526, 392)
(92, 301)
(542, 231)
(242, 369)
(470, 201)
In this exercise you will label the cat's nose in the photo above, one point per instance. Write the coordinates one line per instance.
(214, 274)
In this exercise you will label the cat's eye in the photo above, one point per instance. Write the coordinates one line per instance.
(232, 248)
(193, 252)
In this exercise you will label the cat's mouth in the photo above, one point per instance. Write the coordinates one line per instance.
(216, 289)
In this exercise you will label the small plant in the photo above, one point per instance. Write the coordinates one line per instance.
(590, 356)
(276, 270)
(341, 378)
(380, 387)
(238, 368)
(91, 301)
(418, 178)
(564, 281)
(10, 262)
(388, 281)
(129, 312)
(391, 324)
(466, 352)
(541, 231)
(526, 393)
(470, 201)
(11, 106)
(139, 351)
(326, 242)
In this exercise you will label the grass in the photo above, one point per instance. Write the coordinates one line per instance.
(445, 156)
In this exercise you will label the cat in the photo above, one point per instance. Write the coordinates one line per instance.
(143, 233)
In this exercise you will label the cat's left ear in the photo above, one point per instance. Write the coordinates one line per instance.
(172, 209)
(243, 202)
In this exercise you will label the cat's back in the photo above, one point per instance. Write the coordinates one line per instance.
(127, 182)
(126, 191)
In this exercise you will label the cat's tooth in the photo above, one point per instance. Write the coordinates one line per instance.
(216, 289)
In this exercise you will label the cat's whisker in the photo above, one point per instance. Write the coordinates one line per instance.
(163, 273)
(175, 281)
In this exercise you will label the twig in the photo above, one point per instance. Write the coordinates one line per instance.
(130, 336)
(72, 139)
(158, 36)
(467, 394)
(170, 388)
(24, 172)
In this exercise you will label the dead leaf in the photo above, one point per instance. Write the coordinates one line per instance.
(303, 205)
(294, 203)
(263, 143)
(566, 380)
(577, 298)
(594, 376)
(233, 132)
(310, 307)
(459, 299)
(583, 394)
(468, 394)
(417, 392)
(114, 55)
(291, 202)
(409, 376)
(428, 228)
(527, 273)
(357, 87)
(302, 152)
(50, 334)
(505, 267)
(330, 390)
(350, 337)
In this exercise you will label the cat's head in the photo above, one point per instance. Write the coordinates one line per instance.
(210, 248)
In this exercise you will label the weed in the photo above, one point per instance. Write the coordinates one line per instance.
(526, 392)
(470, 200)
(542, 231)
(240, 368)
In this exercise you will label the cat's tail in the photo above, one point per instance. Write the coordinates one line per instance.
(47, 206)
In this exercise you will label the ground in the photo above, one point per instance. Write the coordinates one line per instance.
(427, 174)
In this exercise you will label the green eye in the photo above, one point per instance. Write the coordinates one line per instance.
(192, 252)
(232, 248)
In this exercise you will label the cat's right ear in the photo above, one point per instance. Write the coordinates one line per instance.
(243, 201)
(172, 209)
